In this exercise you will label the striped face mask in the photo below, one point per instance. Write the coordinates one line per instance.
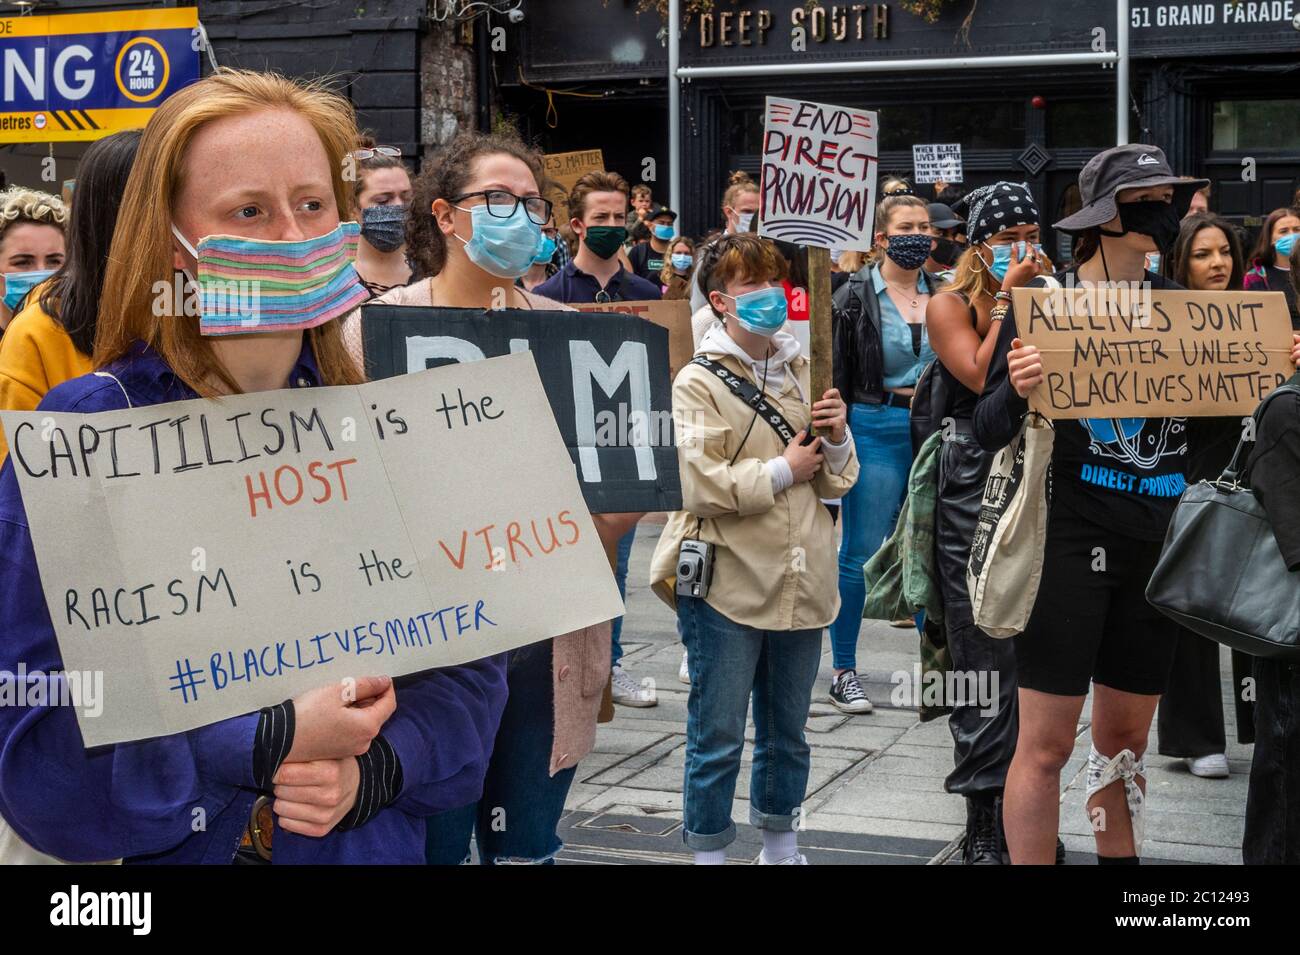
(263, 285)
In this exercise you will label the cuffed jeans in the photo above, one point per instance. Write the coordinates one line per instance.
(882, 438)
(729, 663)
(620, 577)
(516, 820)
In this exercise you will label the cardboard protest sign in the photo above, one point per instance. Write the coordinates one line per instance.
(1121, 352)
(674, 316)
(565, 169)
(818, 179)
(227, 555)
(937, 162)
(605, 376)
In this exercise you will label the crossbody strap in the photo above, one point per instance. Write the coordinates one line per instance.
(750, 395)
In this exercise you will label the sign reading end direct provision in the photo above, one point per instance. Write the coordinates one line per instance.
(818, 180)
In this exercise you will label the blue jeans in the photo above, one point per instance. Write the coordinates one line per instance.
(728, 663)
(516, 819)
(883, 440)
(620, 576)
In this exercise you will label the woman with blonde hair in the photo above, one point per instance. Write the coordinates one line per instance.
(675, 277)
(243, 166)
(31, 244)
(1003, 254)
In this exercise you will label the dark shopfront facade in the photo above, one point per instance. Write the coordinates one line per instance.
(1212, 84)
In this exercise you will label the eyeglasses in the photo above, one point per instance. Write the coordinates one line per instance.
(392, 152)
(502, 204)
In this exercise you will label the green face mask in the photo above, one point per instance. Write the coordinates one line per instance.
(605, 240)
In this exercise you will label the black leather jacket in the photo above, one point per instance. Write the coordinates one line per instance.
(859, 372)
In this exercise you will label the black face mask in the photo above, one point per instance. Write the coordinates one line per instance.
(1151, 217)
(946, 252)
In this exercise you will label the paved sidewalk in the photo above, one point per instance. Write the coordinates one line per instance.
(876, 787)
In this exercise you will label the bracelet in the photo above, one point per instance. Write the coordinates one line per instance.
(999, 312)
(1002, 296)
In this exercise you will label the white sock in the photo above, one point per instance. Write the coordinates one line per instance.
(779, 845)
(711, 857)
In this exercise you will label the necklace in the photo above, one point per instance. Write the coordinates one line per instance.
(915, 293)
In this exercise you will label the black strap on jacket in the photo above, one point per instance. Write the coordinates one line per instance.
(750, 395)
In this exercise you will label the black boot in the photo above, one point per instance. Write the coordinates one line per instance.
(983, 845)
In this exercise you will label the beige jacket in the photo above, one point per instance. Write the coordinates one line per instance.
(775, 561)
(579, 660)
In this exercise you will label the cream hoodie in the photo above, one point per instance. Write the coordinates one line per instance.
(775, 560)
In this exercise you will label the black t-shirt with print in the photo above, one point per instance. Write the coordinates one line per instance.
(646, 262)
(1123, 473)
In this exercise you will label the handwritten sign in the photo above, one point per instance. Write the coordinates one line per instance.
(606, 379)
(1122, 352)
(563, 170)
(673, 315)
(937, 162)
(818, 180)
(230, 554)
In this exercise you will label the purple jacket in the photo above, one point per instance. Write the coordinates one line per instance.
(186, 798)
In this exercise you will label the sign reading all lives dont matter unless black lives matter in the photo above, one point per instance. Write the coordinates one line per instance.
(227, 555)
(1136, 352)
(606, 377)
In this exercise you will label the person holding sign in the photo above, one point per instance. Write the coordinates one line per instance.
(1115, 482)
(381, 196)
(251, 165)
(880, 347)
(52, 338)
(748, 563)
(1003, 254)
(478, 215)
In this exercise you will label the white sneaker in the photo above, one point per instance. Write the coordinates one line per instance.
(628, 692)
(1209, 767)
(683, 674)
(797, 859)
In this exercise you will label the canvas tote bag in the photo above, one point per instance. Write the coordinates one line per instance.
(1006, 554)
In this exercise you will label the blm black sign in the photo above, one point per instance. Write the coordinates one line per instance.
(606, 376)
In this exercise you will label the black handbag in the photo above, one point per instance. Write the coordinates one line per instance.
(1221, 574)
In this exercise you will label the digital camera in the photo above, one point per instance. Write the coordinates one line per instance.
(694, 568)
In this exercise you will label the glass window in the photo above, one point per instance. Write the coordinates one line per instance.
(1080, 124)
(983, 125)
(903, 126)
(1272, 124)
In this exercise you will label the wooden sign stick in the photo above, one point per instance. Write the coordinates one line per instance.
(819, 323)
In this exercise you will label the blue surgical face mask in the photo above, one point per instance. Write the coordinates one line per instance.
(18, 284)
(502, 247)
(681, 261)
(762, 312)
(547, 251)
(664, 232)
(1005, 254)
(743, 220)
(1286, 243)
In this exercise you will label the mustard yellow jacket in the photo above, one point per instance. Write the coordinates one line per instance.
(35, 355)
(775, 559)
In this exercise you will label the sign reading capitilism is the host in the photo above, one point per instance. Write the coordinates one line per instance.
(81, 76)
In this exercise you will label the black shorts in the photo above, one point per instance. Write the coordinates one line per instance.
(1091, 621)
